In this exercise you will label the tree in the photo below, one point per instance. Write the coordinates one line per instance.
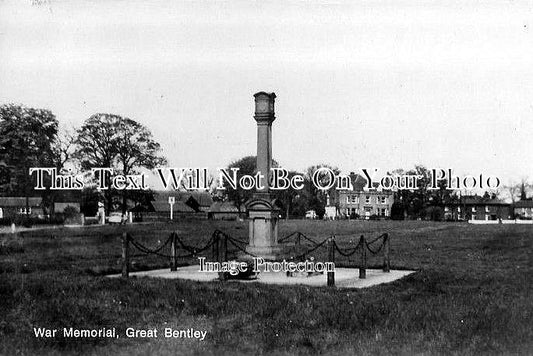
(136, 149)
(63, 148)
(26, 137)
(111, 141)
(317, 198)
(97, 141)
(247, 166)
(512, 189)
(289, 199)
(416, 201)
(523, 188)
(293, 202)
(517, 191)
(397, 211)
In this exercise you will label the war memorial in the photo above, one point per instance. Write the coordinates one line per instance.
(266, 178)
(265, 257)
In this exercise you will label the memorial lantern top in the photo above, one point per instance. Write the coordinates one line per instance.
(264, 106)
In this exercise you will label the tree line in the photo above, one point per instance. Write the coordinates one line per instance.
(417, 203)
(32, 138)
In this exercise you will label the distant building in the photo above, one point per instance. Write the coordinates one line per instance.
(225, 210)
(523, 209)
(477, 208)
(178, 207)
(363, 204)
(17, 206)
(65, 199)
(199, 201)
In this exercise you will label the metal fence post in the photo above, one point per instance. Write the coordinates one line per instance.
(221, 275)
(214, 248)
(173, 254)
(225, 249)
(386, 253)
(331, 258)
(125, 255)
(362, 269)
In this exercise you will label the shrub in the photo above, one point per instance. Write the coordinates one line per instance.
(70, 212)
(72, 216)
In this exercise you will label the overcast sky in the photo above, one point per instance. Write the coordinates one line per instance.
(383, 84)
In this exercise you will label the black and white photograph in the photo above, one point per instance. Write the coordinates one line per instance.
(272, 177)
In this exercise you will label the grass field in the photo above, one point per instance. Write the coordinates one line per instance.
(472, 295)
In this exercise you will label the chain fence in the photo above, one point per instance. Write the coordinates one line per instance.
(297, 247)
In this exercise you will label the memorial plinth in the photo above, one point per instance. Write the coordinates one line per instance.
(262, 211)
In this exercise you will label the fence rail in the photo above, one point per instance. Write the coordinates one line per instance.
(219, 244)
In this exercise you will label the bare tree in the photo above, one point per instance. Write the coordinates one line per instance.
(63, 147)
(518, 190)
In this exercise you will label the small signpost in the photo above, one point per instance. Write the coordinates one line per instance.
(171, 201)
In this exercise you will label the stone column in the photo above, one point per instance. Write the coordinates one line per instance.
(262, 211)
(264, 116)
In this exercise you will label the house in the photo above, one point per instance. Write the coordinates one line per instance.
(178, 207)
(477, 208)
(199, 201)
(523, 209)
(362, 203)
(19, 206)
(225, 210)
(159, 210)
(65, 199)
(186, 204)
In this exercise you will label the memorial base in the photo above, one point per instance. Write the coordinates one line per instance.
(273, 253)
(263, 220)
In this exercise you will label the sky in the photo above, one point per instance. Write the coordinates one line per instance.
(385, 84)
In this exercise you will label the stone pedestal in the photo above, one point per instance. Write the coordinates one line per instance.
(263, 233)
